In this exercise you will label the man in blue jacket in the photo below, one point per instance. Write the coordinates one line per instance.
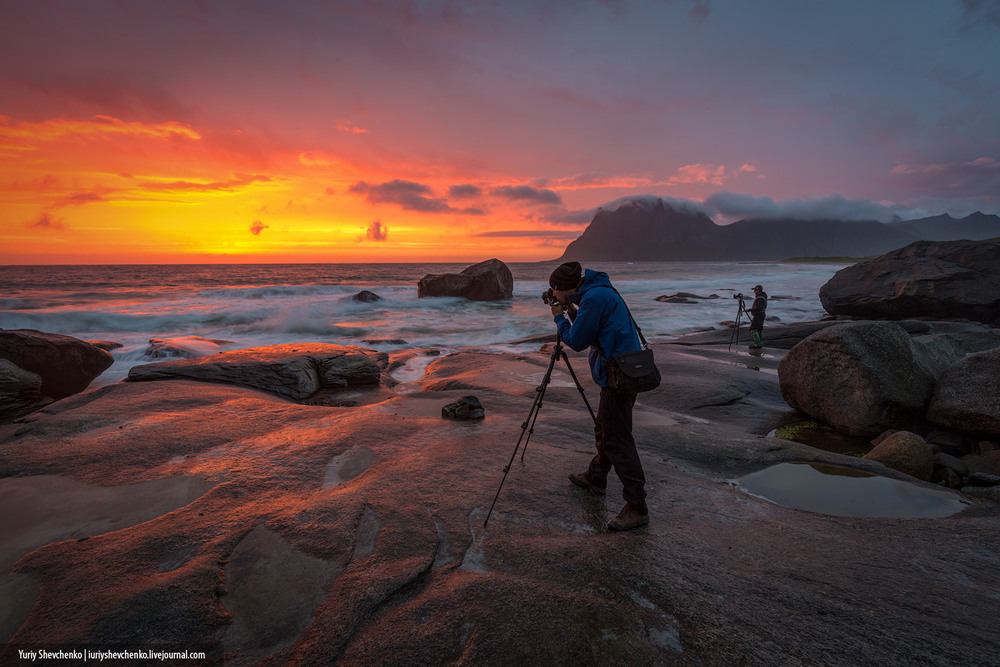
(602, 322)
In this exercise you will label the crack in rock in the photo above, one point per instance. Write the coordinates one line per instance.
(366, 534)
(474, 559)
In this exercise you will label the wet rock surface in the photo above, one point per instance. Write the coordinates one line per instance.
(377, 511)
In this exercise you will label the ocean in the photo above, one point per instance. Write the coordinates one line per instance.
(266, 304)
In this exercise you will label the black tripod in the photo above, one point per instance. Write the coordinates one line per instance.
(528, 427)
(741, 308)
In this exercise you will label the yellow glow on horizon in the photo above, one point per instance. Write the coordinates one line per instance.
(105, 190)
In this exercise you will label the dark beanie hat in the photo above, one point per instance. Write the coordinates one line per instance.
(566, 276)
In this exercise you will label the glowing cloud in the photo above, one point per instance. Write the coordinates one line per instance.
(45, 222)
(377, 231)
(100, 125)
(256, 227)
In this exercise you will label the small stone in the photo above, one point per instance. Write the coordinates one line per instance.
(942, 460)
(947, 477)
(906, 452)
(465, 408)
(982, 479)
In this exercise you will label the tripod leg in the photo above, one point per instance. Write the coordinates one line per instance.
(527, 427)
(539, 399)
(579, 386)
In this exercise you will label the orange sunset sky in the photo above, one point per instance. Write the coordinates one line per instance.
(147, 132)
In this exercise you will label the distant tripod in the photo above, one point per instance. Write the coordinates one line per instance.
(528, 427)
(740, 309)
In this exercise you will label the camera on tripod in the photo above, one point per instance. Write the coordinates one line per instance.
(548, 297)
(738, 295)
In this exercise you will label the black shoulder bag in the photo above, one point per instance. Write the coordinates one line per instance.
(631, 371)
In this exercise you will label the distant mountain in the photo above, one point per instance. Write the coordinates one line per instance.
(975, 227)
(648, 229)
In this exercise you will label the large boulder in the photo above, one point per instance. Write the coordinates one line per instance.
(294, 371)
(65, 364)
(20, 391)
(487, 281)
(966, 397)
(952, 279)
(861, 378)
(906, 452)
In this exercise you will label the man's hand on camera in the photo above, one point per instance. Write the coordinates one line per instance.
(557, 308)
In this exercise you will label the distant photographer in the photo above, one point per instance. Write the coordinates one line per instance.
(601, 321)
(756, 313)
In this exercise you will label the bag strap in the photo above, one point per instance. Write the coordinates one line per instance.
(642, 338)
(634, 323)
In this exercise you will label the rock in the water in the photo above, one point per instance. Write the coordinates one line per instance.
(487, 281)
(364, 296)
(183, 347)
(952, 279)
(683, 297)
(861, 378)
(906, 452)
(967, 395)
(467, 407)
(294, 371)
(66, 364)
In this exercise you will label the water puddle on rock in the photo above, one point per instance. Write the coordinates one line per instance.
(841, 491)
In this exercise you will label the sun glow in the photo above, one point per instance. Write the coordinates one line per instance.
(109, 190)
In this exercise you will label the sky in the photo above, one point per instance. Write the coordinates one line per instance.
(134, 131)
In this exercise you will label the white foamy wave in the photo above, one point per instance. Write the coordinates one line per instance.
(278, 291)
(268, 305)
(80, 322)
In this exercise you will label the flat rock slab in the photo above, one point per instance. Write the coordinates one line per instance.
(40, 510)
(380, 510)
(294, 371)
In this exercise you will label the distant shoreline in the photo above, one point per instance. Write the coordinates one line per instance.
(823, 260)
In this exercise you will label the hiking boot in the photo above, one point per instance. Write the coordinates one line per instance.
(580, 479)
(628, 519)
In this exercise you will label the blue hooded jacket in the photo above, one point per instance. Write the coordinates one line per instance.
(602, 317)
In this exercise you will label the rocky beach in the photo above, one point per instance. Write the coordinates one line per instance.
(317, 503)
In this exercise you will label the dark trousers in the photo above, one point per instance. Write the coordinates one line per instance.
(616, 448)
(757, 322)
